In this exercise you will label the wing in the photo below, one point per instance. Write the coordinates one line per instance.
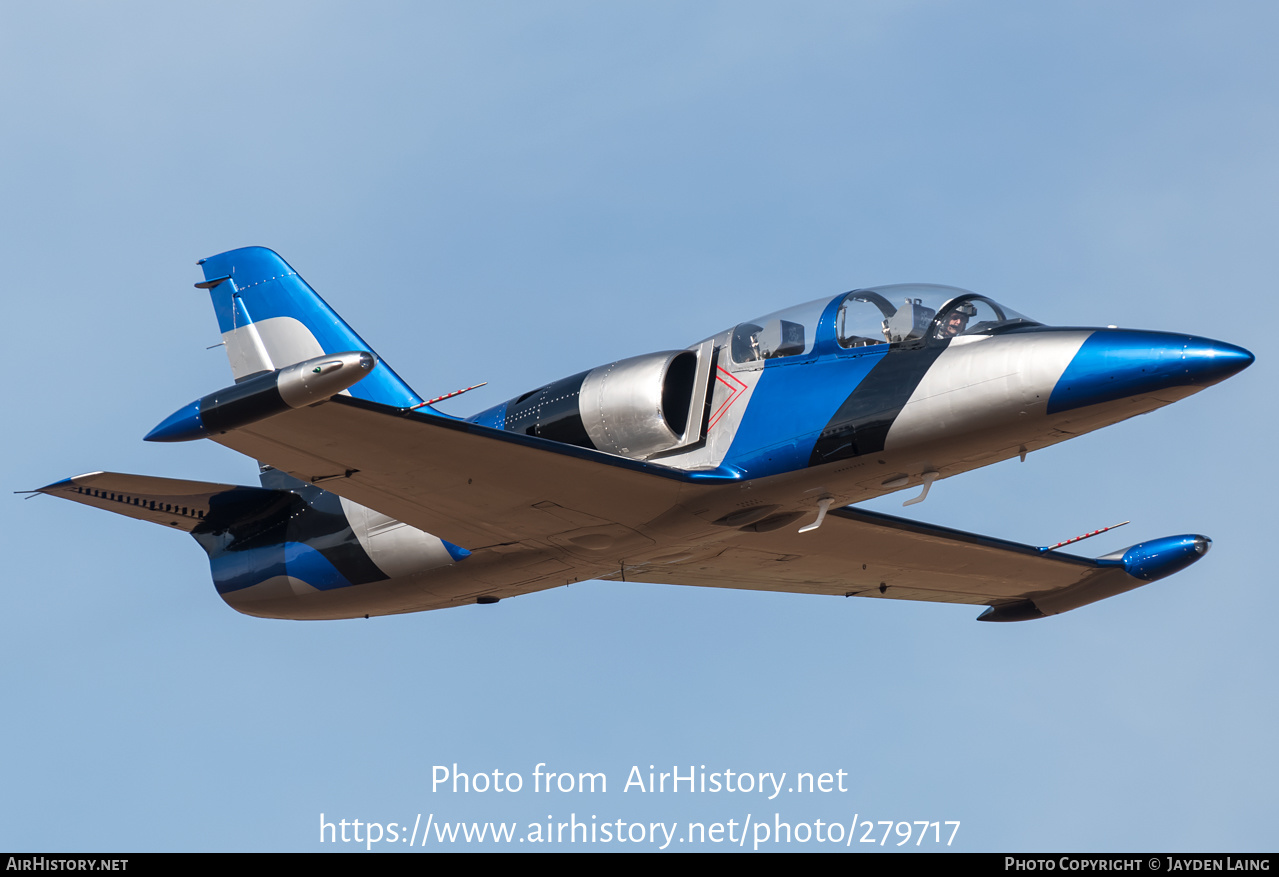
(562, 513)
(469, 484)
(857, 553)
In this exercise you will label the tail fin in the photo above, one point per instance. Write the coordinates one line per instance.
(270, 318)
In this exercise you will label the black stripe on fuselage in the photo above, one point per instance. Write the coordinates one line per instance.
(551, 412)
(861, 424)
(258, 518)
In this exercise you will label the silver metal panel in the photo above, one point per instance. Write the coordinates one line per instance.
(269, 344)
(701, 386)
(980, 382)
(731, 388)
(621, 406)
(310, 381)
(396, 548)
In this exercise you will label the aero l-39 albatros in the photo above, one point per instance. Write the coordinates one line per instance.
(732, 463)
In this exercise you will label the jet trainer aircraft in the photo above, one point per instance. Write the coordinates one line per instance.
(732, 463)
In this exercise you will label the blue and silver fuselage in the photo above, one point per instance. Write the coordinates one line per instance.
(825, 404)
(873, 372)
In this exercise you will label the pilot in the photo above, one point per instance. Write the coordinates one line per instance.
(956, 321)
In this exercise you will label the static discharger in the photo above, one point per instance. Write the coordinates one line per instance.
(446, 396)
(1085, 536)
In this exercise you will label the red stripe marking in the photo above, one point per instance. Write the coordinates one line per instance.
(735, 388)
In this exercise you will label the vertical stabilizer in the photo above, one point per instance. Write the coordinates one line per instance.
(270, 318)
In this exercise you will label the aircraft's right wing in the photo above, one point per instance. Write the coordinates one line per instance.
(858, 553)
(469, 484)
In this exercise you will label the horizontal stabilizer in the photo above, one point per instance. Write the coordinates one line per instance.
(170, 502)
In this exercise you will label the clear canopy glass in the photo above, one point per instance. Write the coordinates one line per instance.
(915, 311)
(874, 315)
(790, 332)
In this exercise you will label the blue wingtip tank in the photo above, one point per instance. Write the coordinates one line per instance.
(265, 395)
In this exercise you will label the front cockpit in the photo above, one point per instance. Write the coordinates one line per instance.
(910, 312)
(875, 315)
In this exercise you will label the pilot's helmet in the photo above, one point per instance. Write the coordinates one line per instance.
(956, 320)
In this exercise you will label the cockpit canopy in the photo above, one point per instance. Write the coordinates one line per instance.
(875, 315)
(906, 312)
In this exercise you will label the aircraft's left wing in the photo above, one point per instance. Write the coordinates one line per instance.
(858, 553)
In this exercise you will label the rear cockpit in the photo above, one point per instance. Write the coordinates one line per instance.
(790, 332)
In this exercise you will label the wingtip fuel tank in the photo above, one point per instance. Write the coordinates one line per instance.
(265, 395)
(1129, 568)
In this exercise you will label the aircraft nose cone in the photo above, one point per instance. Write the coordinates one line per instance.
(1119, 363)
(1213, 361)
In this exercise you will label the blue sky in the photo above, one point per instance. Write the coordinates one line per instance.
(513, 192)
